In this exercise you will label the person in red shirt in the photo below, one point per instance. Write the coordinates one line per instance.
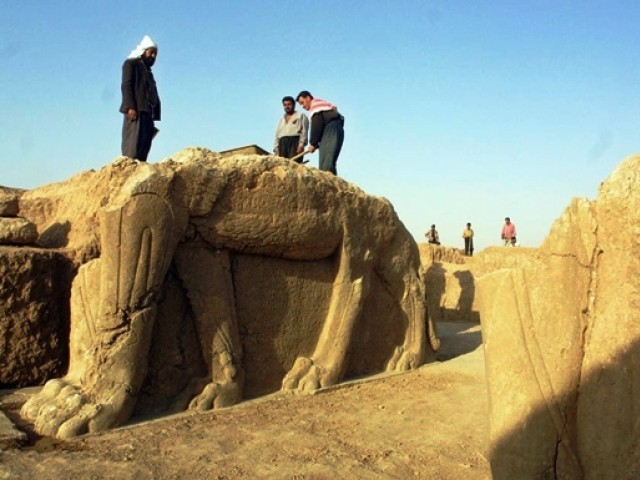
(508, 233)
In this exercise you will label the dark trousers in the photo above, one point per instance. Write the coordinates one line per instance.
(288, 147)
(468, 246)
(137, 136)
(330, 146)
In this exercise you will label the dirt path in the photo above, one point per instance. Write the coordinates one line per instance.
(426, 424)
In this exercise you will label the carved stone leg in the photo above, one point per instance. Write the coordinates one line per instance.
(206, 275)
(84, 310)
(412, 352)
(138, 238)
(403, 279)
(329, 360)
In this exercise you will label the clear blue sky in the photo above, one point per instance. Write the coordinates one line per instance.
(455, 110)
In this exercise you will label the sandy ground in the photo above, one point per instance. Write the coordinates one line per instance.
(427, 424)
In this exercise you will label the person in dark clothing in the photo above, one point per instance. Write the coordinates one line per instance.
(467, 234)
(432, 235)
(140, 101)
(327, 130)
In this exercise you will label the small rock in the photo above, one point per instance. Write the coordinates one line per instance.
(8, 205)
(10, 436)
(17, 231)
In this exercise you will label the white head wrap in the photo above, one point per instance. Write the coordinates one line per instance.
(144, 44)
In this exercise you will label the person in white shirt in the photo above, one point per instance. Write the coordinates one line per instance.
(292, 131)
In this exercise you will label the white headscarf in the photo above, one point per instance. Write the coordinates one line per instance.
(144, 44)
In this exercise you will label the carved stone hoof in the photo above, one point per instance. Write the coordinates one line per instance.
(402, 360)
(217, 395)
(62, 410)
(305, 376)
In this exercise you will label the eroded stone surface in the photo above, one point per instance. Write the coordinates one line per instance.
(162, 244)
(561, 344)
(35, 286)
(17, 231)
(8, 205)
(10, 436)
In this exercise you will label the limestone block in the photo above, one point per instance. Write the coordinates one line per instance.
(532, 330)
(65, 213)
(562, 337)
(608, 415)
(451, 278)
(207, 279)
(496, 258)
(430, 254)
(34, 315)
(8, 205)
(10, 436)
(17, 231)
(247, 149)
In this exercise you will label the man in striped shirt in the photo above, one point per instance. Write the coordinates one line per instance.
(327, 130)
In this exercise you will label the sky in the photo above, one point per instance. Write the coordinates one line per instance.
(456, 111)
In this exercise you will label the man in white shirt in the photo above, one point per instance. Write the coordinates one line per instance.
(292, 131)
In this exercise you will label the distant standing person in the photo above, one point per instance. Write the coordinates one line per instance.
(327, 130)
(432, 235)
(140, 101)
(292, 130)
(508, 234)
(467, 234)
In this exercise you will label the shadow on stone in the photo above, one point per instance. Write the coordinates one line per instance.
(591, 435)
(56, 236)
(458, 338)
